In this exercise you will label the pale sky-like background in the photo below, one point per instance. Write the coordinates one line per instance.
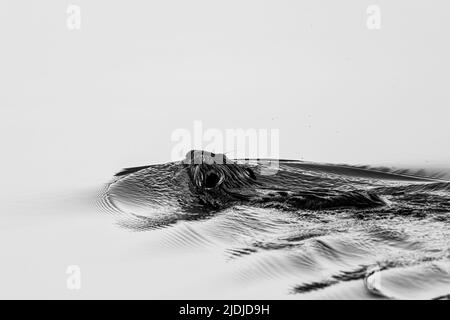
(112, 93)
(78, 105)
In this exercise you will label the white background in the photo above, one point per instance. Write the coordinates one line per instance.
(78, 105)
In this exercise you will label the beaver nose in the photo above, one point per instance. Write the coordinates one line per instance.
(213, 179)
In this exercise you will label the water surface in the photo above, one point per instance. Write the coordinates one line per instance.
(400, 249)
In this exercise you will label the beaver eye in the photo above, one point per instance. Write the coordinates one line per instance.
(212, 180)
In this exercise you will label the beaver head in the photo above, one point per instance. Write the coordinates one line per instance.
(216, 180)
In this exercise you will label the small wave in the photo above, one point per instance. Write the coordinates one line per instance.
(316, 226)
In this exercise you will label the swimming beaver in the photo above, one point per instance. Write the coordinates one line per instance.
(206, 181)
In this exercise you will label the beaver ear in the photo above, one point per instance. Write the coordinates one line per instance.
(251, 173)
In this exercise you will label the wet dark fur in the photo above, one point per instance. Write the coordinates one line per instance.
(215, 182)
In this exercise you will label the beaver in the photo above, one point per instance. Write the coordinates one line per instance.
(207, 181)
